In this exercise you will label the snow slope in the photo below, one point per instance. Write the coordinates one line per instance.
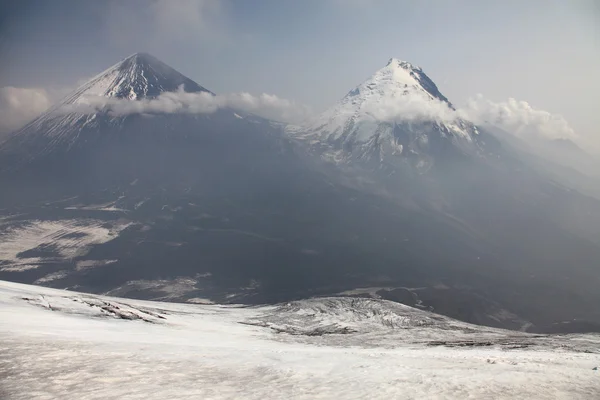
(67, 345)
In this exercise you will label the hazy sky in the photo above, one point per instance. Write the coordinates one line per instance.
(314, 51)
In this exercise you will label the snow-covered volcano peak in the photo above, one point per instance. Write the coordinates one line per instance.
(398, 82)
(398, 109)
(138, 76)
(396, 62)
(394, 86)
(400, 77)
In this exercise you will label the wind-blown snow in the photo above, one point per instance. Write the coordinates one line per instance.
(60, 344)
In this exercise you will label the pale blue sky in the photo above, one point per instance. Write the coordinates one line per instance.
(546, 52)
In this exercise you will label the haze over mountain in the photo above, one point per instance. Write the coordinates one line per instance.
(143, 183)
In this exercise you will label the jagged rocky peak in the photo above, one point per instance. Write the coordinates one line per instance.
(138, 76)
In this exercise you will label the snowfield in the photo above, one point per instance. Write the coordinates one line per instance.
(58, 344)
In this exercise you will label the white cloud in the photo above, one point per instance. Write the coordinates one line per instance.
(20, 105)
(517, 117)
(265, 105)
(415, 106)
(270, 106)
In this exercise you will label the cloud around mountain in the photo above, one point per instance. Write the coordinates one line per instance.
(20, 105)
(265, 105)
(517, 117)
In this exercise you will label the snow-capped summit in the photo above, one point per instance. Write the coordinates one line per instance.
(411, 76)
(86, 116)
(399, 109)
(138, 76)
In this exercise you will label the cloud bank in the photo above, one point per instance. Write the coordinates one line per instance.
(514, 116)
(517, 117)
(266, 105)
(415, 106)
(20, 105)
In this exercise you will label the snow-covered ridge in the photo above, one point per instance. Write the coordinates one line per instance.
(61, 344)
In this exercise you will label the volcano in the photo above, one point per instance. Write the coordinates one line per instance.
(397, 117)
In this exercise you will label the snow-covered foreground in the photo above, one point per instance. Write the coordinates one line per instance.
(65, 345)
